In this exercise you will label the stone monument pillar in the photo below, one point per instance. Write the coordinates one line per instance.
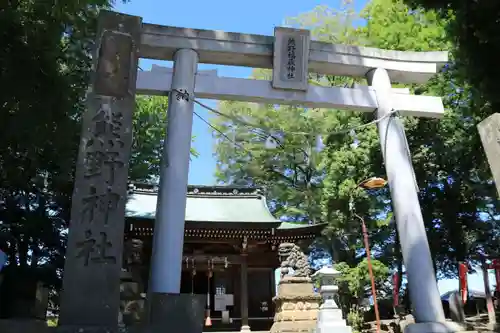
(330, 315)
(296, 303)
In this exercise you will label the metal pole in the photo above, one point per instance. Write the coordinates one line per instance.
(421, 277)
(168, 239)
(370, 270)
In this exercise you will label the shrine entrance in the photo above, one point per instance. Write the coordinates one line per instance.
(229, 251)
(91, 296)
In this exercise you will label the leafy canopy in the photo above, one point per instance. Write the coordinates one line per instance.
(474, 29)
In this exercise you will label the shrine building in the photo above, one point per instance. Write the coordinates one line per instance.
(230, 250)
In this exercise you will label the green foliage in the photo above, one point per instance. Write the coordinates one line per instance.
(290, 172)
(355, 319)
(473, 27)
(44, 71)
(52, 322)
(358, 278)
(456, 193)
(149, 129)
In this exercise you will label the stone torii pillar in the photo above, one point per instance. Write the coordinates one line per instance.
(424, 292)
(166, 306)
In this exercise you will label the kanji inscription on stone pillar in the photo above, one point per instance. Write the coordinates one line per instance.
(91, 283)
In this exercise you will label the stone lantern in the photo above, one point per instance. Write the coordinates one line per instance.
(330, 315)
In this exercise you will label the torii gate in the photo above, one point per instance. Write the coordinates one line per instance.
(93, 265)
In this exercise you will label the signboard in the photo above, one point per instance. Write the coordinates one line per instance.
(221, 302)
(291, 58)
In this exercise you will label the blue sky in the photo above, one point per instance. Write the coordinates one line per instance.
(256, 17)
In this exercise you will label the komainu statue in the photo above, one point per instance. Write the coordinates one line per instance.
(292, 257)
(296, 303)
(132, 252)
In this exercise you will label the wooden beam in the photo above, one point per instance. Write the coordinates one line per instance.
(361, 99)
(236, 49)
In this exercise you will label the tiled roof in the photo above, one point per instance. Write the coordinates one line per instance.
(206, 204)
(217, 204)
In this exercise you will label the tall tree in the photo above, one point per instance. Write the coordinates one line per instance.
(454, 192)
(44, 67)
(44, 70)
(474, 29)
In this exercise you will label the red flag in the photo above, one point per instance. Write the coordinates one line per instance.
(462, 275)
(395, 288)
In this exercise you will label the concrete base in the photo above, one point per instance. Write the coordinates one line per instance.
(333, 328)
(445, 327)
(179, 313)
(330, 320)
(245, 329)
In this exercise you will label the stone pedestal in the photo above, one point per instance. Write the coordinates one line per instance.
(131, 301)
(179, 313)
(330, 315)
(296, 306)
